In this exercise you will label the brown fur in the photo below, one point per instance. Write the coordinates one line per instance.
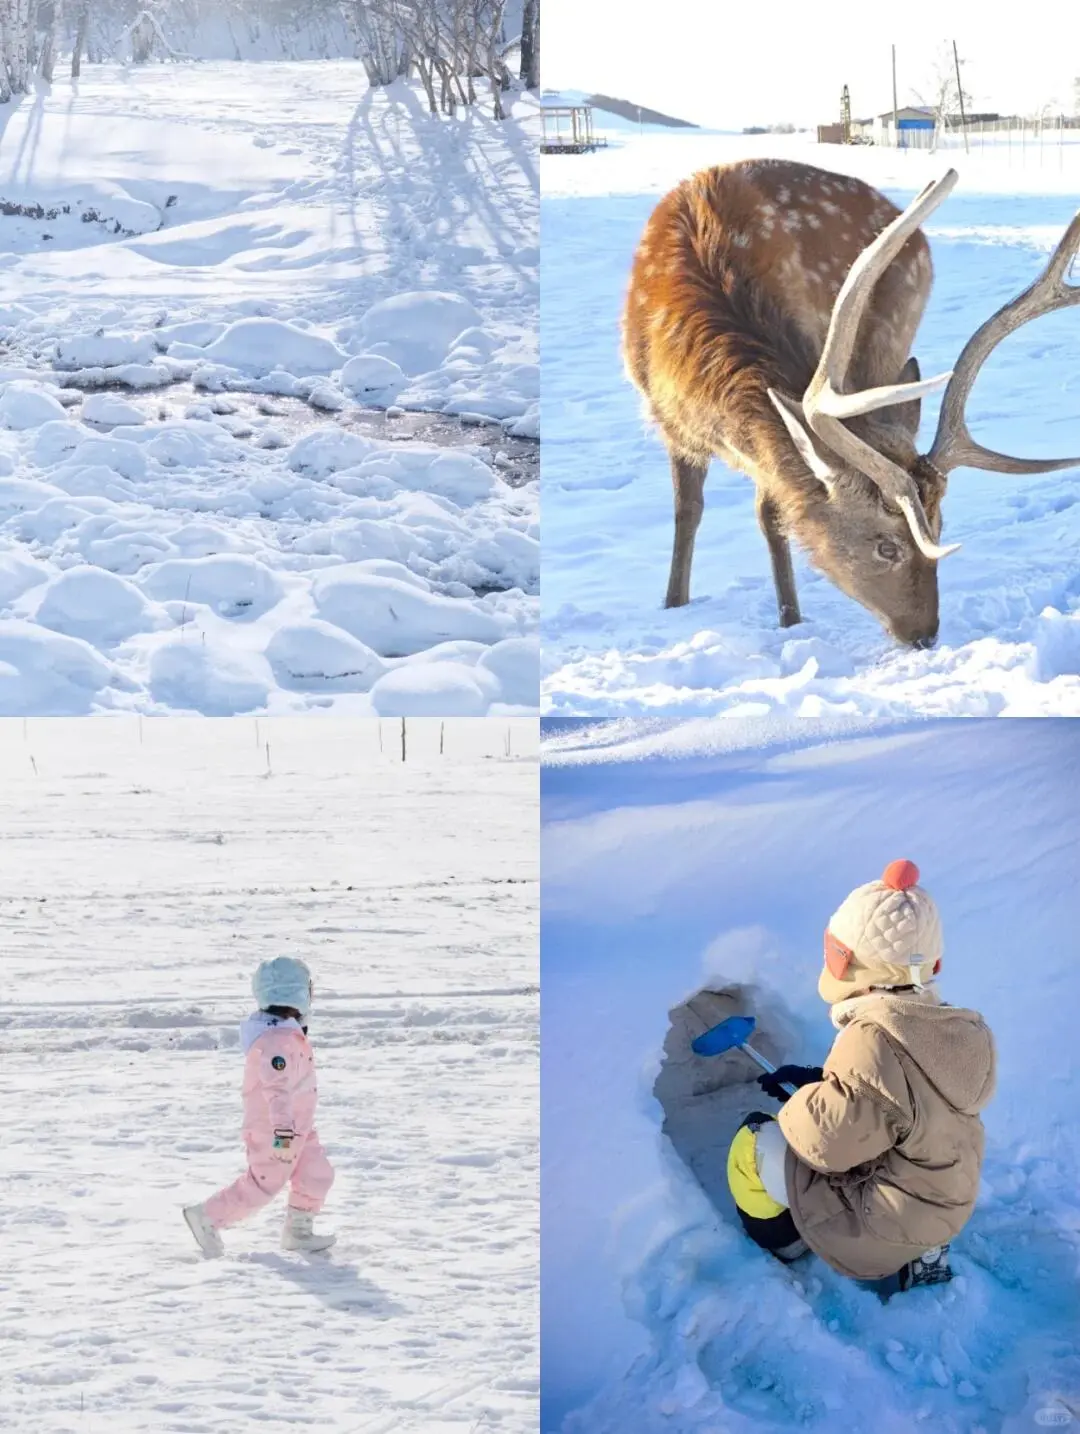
(731, 291)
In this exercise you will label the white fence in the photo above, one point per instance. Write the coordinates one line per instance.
(1049, 142)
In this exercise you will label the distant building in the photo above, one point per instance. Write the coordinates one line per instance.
(909, 121)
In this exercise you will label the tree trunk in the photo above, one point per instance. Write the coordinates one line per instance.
(530, 45)
(80, 41)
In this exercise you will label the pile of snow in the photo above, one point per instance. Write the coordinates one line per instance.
(179, 567)
(258, 346)
(610, 646)
(415, 331)
(681, 857)
(148, 867)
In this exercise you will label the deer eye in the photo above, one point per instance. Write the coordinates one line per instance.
(888, 550)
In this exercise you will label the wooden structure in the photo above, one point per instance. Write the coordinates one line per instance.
(568, 129)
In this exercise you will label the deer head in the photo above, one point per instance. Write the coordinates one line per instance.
(874, 523)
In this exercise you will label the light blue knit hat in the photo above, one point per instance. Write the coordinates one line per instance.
(283, 981)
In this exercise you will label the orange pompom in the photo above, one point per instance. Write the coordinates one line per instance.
(899, 875)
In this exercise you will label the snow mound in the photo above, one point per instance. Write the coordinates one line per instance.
(1057, 646)
(232, 584)
(258, 346)
(205, 677)
(515, 665)
(372, 379)
(110, 410)
(28, 405)
(433, 689)
(396, 618)
(102, 350)
(328, 450)
(97, 606)
(48, 673)
(316, 656)
(415, 330)
(18, 574)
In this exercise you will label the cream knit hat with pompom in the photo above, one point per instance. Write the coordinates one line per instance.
(887, 933)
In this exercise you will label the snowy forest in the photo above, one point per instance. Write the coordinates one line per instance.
(447, 44)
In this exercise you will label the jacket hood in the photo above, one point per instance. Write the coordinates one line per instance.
(259, 1022)
(952, 1046)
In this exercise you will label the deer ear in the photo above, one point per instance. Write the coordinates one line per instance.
(910, 414)
(790, 410)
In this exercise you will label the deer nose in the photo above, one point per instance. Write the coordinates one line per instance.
(917, 637)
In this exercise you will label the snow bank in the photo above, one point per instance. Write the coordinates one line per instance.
(188, 676)
(397, 619)
(27, 405)
(676, 856)
(415, 330)
(258, 346)
(102, 350)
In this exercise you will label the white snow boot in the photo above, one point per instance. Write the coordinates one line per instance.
(207, 1238)
(298, 1233)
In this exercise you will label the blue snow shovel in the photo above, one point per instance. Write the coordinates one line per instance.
(730, 1035)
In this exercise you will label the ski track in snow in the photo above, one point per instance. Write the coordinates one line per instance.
(145, 880)
(357, 252)
(1010, 630)
(666, 867)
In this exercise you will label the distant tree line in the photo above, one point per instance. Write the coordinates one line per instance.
(448, 44)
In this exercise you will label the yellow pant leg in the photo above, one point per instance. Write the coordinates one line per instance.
(744, 1181)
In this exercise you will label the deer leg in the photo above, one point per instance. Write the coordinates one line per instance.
(688, 480)
(787, 598)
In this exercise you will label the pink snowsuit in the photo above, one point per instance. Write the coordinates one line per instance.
(279, 1094)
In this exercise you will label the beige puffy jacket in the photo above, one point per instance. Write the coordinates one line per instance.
(885, 1152)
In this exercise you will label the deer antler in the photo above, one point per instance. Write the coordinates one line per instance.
(953, 445)
(825, 402)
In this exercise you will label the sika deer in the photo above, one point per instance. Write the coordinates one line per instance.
(769, 322)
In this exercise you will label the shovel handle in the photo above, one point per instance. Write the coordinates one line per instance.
(766, 1065)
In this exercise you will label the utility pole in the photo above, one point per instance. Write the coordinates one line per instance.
(845, 116)
(895, 107)
(960, 93)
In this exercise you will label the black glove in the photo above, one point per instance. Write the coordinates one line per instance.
(772, 1084)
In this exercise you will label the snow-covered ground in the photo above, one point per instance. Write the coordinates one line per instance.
(714, 853)
(176, 238)
(1010, 630)
(148, 868)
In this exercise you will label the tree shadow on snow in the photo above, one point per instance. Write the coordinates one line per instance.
(340, 1287)
(433, 172)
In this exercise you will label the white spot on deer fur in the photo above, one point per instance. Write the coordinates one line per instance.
(767, 211)
(813, 221)
(741, 241)
(783, 195)
(825, 188)
(792, 221)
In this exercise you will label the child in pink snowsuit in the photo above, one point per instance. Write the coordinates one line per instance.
(280, 1096)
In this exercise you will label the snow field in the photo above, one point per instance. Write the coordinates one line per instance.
(1009, 642)
(144, 405)
(708, 854)
(151, 866)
